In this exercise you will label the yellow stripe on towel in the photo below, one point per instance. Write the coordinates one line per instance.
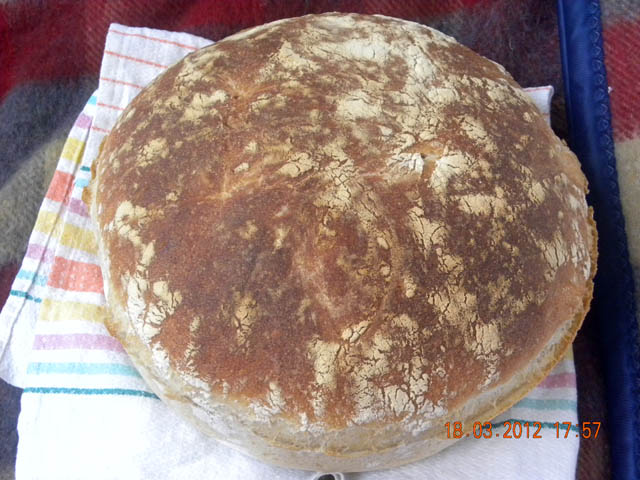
(56, 311)
(73, 150)
(46, 221)
(69, 235)
(78, 238)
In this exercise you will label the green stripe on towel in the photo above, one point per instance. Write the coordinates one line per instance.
(90, 391)
(82, 369)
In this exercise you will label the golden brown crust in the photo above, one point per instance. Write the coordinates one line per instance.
(360, 223)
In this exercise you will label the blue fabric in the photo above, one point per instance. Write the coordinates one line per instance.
(613, 307)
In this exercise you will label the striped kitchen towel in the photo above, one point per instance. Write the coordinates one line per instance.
(87, 413)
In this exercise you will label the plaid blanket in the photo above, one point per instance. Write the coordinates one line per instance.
(50, 54)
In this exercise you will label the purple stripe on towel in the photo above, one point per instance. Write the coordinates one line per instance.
(559, 380)
(85, 341)
(78, 207)
(83, 121)
(37, 252)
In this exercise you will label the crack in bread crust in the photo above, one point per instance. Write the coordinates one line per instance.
(367, 229)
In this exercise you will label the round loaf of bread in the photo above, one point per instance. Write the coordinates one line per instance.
(325, 237)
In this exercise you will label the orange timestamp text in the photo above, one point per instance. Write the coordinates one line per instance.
(523, 429)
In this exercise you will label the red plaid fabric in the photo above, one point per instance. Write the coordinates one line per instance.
(52, 40)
